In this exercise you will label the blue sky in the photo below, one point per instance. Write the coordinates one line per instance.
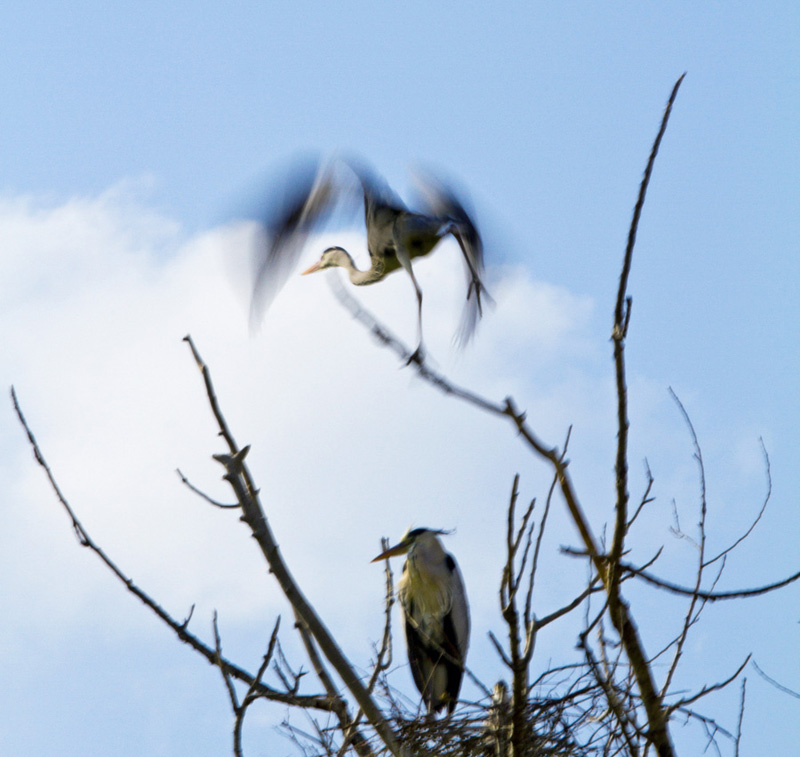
(133, 136)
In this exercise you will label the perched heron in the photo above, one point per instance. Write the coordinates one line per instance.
(436, 613)
(395, 235)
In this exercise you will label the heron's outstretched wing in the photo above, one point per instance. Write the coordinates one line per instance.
(309, 196)
(440, 201)
(297, 209)
(377, 193)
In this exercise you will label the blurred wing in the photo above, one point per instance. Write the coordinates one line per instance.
(376, 191)
(440, 201)
(305, 201)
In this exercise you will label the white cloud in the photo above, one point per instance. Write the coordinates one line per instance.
(99, 293)
(347, 447)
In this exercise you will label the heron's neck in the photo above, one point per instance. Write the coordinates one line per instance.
(359, 277)
(425, 587)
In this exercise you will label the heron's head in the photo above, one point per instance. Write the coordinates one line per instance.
(413, 539)
(332, 257)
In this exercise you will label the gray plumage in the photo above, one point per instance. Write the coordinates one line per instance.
(434, 601)
(395, 235)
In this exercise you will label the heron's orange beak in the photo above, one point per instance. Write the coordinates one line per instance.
(397, 549)
(311, 269)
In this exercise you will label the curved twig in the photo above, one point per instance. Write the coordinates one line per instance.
(319, 702)
(221, 505)
(238, 476)
(710, 596)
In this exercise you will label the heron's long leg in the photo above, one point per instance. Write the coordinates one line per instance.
(476, 285)
(405, 260)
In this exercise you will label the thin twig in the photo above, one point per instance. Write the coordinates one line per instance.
(706, 690)
(252, 692)
(238, 476)
(179, 628)
(203, 495)
(764, 504)
(738, 741)
(711, 596)
(347, 724)
(646, 498)
(691, 616)
(774, 683)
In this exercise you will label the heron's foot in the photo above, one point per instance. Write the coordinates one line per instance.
(418, 356)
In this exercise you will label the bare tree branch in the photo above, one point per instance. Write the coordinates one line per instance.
(658, 732)
(690, 618)
(252, 693)
(622, 312)
(615, 705)
(238, 476)
(383, 658)
(756, 520)
(179, 628)
(646, 498)
(708, 689)
(239, 710)
(568, 608)
(710, 596)
(237, 731)
(738, 740)
(347, 724)
(774, 683)
(203, 495)
(618, 609)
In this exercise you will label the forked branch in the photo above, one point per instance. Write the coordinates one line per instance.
(240, 480)
(607, 567)
(180, 628)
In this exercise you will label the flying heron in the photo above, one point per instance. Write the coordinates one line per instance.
(431, 593)
(395, 235)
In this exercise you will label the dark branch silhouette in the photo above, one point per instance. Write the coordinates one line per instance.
(607, 702)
